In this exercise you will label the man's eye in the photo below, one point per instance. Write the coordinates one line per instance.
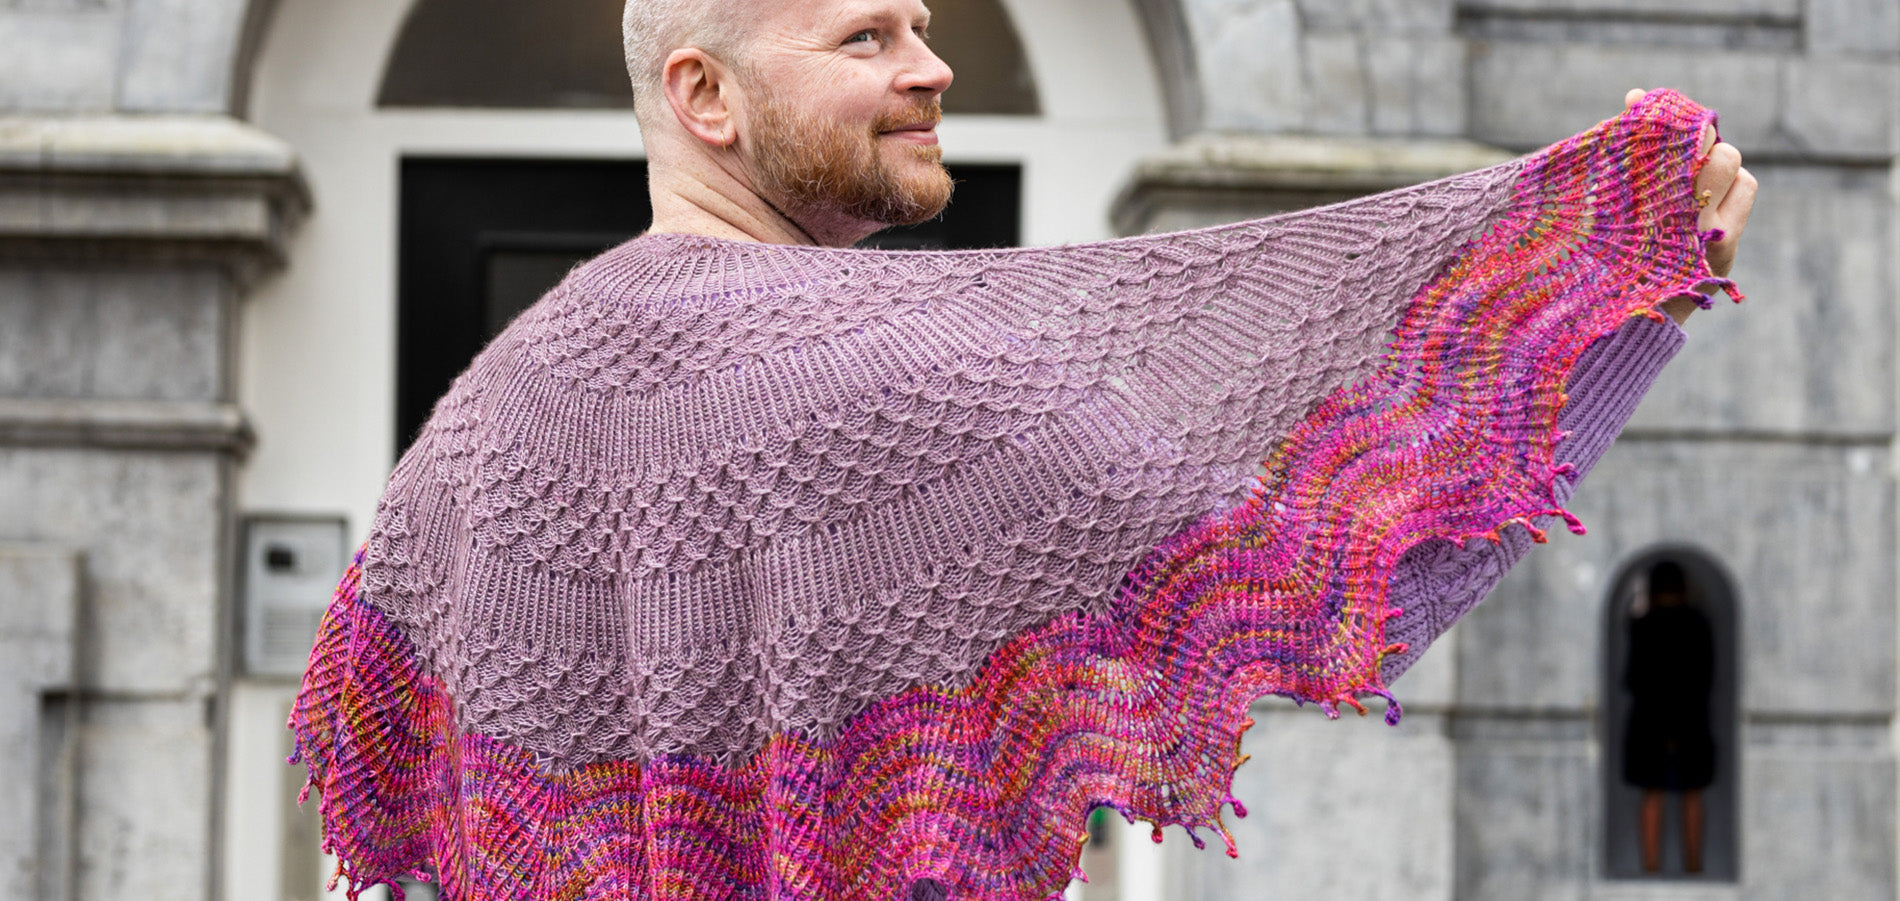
(862, 36)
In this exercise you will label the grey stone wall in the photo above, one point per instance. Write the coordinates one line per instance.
(1810, 81)
(1803, 528)
(125, 246)
(148, 525)
(127, 234)
(1768, 444)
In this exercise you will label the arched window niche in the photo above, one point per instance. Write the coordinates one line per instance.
(1671, 761)
(566, 54)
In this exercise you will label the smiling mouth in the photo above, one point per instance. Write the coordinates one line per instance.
(916, 123)
(922, 134)
(925, 131)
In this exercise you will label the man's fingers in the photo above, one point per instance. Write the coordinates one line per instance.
(1716, 178)
(1739, 203)
(1731, 216)
(1629, 99)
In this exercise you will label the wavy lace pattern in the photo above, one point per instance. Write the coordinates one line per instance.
(984, 788)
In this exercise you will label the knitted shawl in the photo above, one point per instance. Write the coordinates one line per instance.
(749, 571)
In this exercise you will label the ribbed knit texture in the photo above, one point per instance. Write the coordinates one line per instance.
(746, 571)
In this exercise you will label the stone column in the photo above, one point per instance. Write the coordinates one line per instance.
(126, 243)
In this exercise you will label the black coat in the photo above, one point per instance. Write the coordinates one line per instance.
(1671, 674)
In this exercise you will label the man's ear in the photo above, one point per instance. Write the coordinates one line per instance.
(697, 87)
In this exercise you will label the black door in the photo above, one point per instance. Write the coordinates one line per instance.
(481, 239)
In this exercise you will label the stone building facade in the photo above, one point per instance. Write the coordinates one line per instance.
(196, 326)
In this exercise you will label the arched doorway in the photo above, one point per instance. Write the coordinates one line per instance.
(504, 54)
(1670, 753)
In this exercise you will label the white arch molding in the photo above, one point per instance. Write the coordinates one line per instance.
(318, 341)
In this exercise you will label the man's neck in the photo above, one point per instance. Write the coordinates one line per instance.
(694, 194)
(690, 206)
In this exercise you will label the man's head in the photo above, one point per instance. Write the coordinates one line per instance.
(650, 30)
(823, 110)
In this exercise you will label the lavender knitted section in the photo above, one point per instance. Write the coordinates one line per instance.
(1437, 582)
(705, 492)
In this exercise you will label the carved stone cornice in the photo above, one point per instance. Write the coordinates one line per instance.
(204, 189)
(1211, 178)
(125, 425)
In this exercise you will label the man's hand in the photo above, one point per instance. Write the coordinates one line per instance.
(1730, 193)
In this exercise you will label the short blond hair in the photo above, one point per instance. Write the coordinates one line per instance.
(650, 30)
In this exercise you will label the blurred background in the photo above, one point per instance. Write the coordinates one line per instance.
(244, 244)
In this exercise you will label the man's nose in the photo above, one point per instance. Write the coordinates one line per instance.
(928, 73)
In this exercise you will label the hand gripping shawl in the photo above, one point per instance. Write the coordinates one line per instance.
(749, 571)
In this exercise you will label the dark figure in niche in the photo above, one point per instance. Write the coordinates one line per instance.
(1668, 747)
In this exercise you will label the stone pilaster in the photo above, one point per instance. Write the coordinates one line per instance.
(126, 243)
(1212, 178)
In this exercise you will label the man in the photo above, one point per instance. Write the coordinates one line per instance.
(743, 565)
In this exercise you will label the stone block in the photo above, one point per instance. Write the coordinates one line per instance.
(1320, 793)
(1392, 67)
(1431, 685)
(1812, 351)
(190, 151)
(1734, 9)
(1251, 67)
(39, 606)
(1803, 532)
(1526, 819)
(144, 821)
(1819, 822)
(1853, 26)
(178, 55)
(150, 525)
(1411, 17)
(1336, 72)
(1536, 641)
(227, 213)
(58, 60)
(1691, 35)
(1672, 890)
(113, 332)
(1417, 86)
(1840, 107)
(1527, 95)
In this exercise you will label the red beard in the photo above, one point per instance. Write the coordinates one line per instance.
(815, 168)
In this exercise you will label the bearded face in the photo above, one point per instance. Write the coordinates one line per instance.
(820, 168)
